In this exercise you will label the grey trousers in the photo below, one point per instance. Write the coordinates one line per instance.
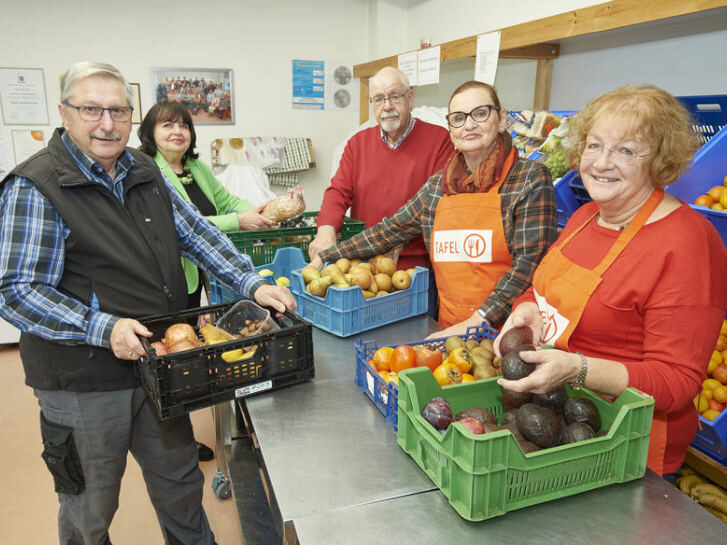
(106, 426)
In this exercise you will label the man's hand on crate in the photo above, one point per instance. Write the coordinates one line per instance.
(125, 341)
(324, 239)
(277, 297)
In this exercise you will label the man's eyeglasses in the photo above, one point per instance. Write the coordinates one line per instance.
(379, 100)
(621, 155)
(479, 114)
(95, 113)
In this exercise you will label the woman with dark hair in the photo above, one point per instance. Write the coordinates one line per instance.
(487, 218)
(167, 134)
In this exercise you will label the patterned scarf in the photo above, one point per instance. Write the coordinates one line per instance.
(457, 179)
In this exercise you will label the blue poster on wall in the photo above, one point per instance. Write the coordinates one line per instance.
(308, 85)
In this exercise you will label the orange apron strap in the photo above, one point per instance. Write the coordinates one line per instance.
(657, 443)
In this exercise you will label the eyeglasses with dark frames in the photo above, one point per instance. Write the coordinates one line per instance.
(479, 114)
(95, 113)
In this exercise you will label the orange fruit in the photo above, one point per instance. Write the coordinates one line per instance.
(721, 343)
(716, 405)
(723, 199)
(710, 384)
(724, 182)
(701, 403)
(716, 192)
(707, 394)
(382, 358)
(713, 364)
(703, 200)
(723, 329)
(709, 414)
(720, 373)
(717, 355)
(719, 394)
(717, 206)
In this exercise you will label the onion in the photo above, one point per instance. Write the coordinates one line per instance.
(160, 348)
(179, 332)
(181, 346)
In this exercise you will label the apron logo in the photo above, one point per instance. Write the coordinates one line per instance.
(554, 323)
(474, 246)
(462, 246)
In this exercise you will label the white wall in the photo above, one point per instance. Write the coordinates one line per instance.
(257, 39)
(686, 57)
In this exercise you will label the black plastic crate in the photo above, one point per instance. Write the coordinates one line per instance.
(185, 381)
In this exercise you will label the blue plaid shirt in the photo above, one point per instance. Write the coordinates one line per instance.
(32, 251)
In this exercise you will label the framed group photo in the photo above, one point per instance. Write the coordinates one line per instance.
(207, 92)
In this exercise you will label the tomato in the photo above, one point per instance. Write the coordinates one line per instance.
(716, 405)
(382, 358)
(447, 373)
(404, 358)
(429, 356)
(461, 358)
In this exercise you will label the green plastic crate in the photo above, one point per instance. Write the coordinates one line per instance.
(485, 476)
(261, 245)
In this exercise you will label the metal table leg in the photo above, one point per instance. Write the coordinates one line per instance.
(221, 480)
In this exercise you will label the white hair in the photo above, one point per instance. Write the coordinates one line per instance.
(85, 69)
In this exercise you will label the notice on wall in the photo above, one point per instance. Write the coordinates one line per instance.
(488, 52)
(428, 66)
(26, 144)
(408, 65)
(342, 90)
(22, 95)
(308, 85)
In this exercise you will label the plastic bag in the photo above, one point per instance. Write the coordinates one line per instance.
(283, 208)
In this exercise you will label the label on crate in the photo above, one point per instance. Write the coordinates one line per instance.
(254, 388)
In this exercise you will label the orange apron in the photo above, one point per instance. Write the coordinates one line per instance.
(468, 251)
(562, 290)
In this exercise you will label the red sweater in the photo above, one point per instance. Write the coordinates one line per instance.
(658, 311)
(375, 180)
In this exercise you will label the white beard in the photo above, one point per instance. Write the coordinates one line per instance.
(391, 124)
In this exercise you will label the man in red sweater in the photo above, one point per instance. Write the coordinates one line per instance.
(382, 167)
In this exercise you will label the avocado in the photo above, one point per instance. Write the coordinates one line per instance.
(580, 409)
(554, 399)
(539, 425)
(514, 430)
(512, 367)
(514, 337)
(509, 417)
(481, 414)
(577, 431)
(527, 446)
(514, 400)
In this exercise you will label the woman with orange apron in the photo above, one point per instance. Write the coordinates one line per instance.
(616, 295)
(487, 219)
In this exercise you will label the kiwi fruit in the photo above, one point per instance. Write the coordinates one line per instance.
(514, 337)
(452, 343)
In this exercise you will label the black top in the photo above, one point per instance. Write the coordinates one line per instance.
(199, 199)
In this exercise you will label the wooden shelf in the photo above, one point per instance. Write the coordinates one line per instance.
(531, 40)
(707, 466)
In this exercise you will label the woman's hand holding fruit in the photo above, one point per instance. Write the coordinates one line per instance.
(526, 314)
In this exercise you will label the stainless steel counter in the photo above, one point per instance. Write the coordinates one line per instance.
(338, 476)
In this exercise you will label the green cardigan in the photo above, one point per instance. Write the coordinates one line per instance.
(223, 201)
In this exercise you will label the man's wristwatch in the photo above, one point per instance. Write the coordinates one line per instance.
(580, 382)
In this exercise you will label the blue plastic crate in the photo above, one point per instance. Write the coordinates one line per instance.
(385, 396)
(709, 169)
(286, 260)
(565, 198)
(712, 437)
(709, 112)
(345, 312)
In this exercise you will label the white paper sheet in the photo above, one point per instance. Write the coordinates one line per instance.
(26, 143)
(488, 52)
(428, 66)
(408, 65)
(22, 92)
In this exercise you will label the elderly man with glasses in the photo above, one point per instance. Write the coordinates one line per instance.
(382, 167)
(93, 237)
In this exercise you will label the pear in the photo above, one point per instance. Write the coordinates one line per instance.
(319, 286)
(310, 273)
(344, 264)
(383, 282)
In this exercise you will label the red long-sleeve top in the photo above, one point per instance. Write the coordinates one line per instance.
(375, 180)
(658, 310)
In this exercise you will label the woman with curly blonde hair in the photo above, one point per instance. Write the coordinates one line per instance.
(633, 292)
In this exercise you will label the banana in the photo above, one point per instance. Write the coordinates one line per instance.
(686, 470)
(715, 502)
(707, 488)
(237, 355)
(686, 483)
(719, 514)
